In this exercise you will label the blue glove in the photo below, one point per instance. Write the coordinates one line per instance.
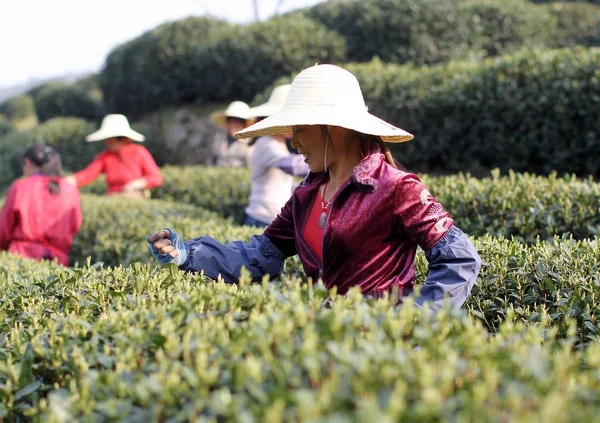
(180, 251)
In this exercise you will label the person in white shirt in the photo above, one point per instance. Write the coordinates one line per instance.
(272, 166)
(227, 151)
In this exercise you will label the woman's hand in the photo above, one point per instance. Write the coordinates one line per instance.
(135, 185)
(167, 247)
(71, 180)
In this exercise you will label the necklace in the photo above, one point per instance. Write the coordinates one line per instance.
(324, 207)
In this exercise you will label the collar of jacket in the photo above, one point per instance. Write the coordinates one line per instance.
(362, 174)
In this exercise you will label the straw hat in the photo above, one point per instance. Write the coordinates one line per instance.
(274, 104)
(114, 126)
(237, 109)
(325, 95)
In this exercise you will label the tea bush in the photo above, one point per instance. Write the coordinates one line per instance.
(140, 344)
(18, 107)
(433, 31)
(66, 134)
(204, 60)
(517, 205)
(67, 101)
(561, 275)
(534, 112)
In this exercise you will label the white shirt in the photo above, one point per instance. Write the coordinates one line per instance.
(271, 187)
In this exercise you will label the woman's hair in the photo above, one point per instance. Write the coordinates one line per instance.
(47, 159)
(367, 142)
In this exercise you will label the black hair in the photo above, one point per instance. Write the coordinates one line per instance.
(47, 159)
(366, 142)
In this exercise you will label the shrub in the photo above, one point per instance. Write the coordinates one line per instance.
(67, 101)
(18, 107)
(244, 61)
(565, 1)
(37, 90)
(202, 60)
(156, 68)
(531, 112)
(433, 31)
(523, 206)
(114, 230)
(134, 343)
(66, 134)
(5, 125)
(501, 27)
(578, 23)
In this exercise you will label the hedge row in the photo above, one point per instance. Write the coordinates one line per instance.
(535, 111)
(67, 100)
(433, 31)
(517, 205)
(532, 112)
(5, 125)
(205, 60)
(65, 133)
(139, 344)
(560, 276)
(114, 230)
(18, 107)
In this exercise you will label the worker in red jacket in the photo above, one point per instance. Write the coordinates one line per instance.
(41, 215)
(129, 168)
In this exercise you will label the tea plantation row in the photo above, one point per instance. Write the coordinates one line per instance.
(143, 344)
(516, 205)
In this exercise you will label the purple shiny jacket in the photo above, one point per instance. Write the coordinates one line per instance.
(376, 221)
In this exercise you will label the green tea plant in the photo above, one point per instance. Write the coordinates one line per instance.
(519, 205)
(142, 344)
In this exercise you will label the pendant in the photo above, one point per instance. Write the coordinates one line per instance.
(322, 219)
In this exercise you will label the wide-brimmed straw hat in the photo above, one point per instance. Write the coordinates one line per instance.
(325, 95)
(274, 103)
(236, 109)
(114, 126)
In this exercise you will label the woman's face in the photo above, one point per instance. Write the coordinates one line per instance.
(115, 144)
(235, 125)
(309, 140)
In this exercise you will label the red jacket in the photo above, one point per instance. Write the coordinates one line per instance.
(131, 162)
(375, 223)
(37, 224)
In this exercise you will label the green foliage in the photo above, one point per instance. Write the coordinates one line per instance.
(140, 344)
(114, 230)
(36, 91)
(578, 23)
(523, 206)
(566, 1)
(67, 101)
(156, 68)
(433, 31)
(559, 277)
(65, 133)
(18, 107)
(223, 191)
(5, 125)
(200, 59)
(500, 27)
(246, 59)
(532, 112)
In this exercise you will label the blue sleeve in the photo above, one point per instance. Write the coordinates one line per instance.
(453, 267)
(294, 165)
(259, 256)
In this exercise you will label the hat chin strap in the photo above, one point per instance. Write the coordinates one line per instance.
(325, 158)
